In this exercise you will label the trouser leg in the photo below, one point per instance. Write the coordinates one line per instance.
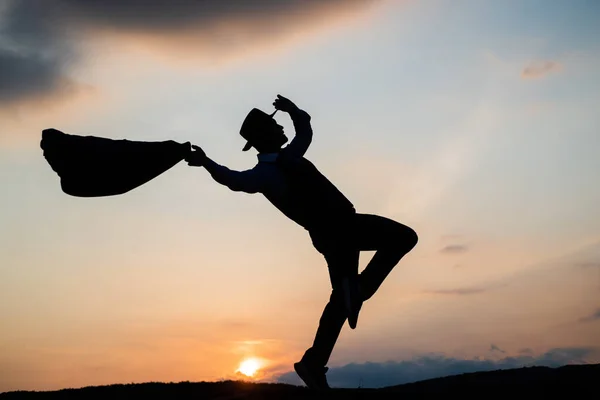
(330, 325)
(391, 240)
(342, 261)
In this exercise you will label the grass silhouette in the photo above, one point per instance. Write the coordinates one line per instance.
(572, 381)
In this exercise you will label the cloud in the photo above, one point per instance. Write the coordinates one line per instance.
(593, 317)
(454, 249)
(167, 16)
(464, 291)
(32, 56)
(24, 75)
(588, 265)
(376, 375)
(493, 348)
(540, 69)
(40, 40)
(467, 290)
(459, 291)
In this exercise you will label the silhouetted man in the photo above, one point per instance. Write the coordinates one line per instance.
(293, 185)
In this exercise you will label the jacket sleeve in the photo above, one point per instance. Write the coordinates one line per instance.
(249, 181)
(304, 133)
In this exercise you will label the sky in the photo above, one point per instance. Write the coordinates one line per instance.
(473, 122)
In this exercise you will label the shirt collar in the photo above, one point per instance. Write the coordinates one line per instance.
(267, 157)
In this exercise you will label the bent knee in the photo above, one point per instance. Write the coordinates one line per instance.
(405, 238)
(411, 238)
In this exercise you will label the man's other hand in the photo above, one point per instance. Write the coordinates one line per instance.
(196, 157)
(284, 104)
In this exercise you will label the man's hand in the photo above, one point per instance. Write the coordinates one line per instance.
(196, 158)
(284, 104)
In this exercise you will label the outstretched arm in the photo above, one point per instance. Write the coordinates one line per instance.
(249, 181)
(301, 120)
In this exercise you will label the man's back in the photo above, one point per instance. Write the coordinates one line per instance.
(289, 181)
(305, 195)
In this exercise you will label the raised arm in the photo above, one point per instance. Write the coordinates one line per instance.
(301, 119)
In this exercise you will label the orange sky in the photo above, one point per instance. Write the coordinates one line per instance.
(440, 129)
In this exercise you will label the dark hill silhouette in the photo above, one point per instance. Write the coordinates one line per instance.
(573, 381)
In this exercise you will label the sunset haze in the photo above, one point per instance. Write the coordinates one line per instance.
(473, 122)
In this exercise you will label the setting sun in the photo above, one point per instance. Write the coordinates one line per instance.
(249, 366)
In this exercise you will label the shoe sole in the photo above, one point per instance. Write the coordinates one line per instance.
(304, 374)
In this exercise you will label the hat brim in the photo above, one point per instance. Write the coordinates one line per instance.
(247, 147)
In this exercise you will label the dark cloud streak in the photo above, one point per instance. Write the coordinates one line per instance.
(33, 56)
(540, 69)
(39, 39)
(146, 15)
(592, 317)
(459, 291)
(468, 290)
(493, 348)
(454, 249)
(27, 75)
(588, 265)
(377, 375)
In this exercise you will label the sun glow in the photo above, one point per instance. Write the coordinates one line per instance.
(249, 366)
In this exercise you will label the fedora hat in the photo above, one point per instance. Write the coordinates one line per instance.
(253, 124)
